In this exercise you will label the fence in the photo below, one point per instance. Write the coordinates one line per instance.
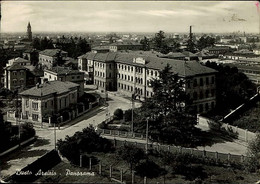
(243, 134)
(171, 148)
(119, 133)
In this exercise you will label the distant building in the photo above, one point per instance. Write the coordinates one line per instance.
(32, 55)
(100, 49)
(65, 74)
(114, 47)
(18, 60)
(50, 57)
(238, 55)
(45, 100)
(15, 77)
(218, 50)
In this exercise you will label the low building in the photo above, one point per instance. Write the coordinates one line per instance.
(65, 74)
(47, 99)
(50, 57)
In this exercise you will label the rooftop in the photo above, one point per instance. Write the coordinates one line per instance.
(48, 88)
(52, 52)
(63, 70)
(20, 60)
(15, 67)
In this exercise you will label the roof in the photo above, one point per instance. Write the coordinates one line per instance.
(15, 67)
(49, 88)
(51, 52)
(63, 70)
(189, 54)
(105, 47)
(30, 50)
(20, 60)
(175, 55)
(89, 56)
(105, 57)
(184, 69)
(218, 48)
(125, 43)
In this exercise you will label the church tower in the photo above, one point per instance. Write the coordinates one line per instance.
(29, 32)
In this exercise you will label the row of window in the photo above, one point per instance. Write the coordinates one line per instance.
(15, 73)
(204, 107)
(202, 95)
(15, 81)
(102, 65)
(202, 82)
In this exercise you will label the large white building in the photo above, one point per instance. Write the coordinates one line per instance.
(131, 73)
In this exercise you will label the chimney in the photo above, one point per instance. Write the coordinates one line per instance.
(190, 32)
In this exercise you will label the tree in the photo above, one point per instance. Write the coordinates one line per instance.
(253, 153)
(169, 120)
(153, 171)
(131, 154)
(119, 114)
(204, 42)
(145, 43)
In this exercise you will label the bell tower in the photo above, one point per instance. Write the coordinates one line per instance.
(29, 32)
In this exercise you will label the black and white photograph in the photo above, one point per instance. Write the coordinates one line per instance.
(130, 92)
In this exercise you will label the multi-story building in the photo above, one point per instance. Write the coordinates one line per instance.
(65, 74)
(47, 99)
(131, 73)
(15, 77)
(85, 64)
(50, 57)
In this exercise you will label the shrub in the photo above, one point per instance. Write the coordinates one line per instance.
(149, 169)
(118, 114)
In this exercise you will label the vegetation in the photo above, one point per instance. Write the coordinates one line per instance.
(131, 154)
(169, 120)
(118, 114)
(42, 44)
(9, 135)
(87, 141)
(205, 41)
(234, 88)
(253, 163)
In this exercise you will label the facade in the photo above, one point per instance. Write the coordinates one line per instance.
(85, 64)
(65, 74)
(15, 77)
(47, 99)
(131, 73)
(50, 57)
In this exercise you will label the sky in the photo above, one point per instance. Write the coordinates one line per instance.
(130, 16)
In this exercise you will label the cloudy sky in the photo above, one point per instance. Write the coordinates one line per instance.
(127, 16)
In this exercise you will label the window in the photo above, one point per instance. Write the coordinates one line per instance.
(14, 81)
(35, 106)
(207, 81)
(195, 96)
(147, 74)
(206, 106)
(201, 95)
(201, 81)
(195, 83)
(155, 73)
(109, 75)
(128, 68)
(151, 72)
(110, 66)
(35, 117)
(131, 88)
(131, 78)
(46, 104)
(212, 80)
(207, 93)
(14, 73)
(27, 103)
(128, 77)
(72, 95)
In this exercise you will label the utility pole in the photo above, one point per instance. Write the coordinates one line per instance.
(132, 120)
(54, 136)
(147, 129)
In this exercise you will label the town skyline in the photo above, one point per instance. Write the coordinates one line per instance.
(208, 17)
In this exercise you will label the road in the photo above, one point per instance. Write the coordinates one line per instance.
(45, 142)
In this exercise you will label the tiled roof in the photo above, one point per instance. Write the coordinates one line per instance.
(20, 60)
(184, 69)
(15, 67)
(105, 57)
(175, 55)
(89, 56)
(63, 70)
(51, 52)
(50, 87)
